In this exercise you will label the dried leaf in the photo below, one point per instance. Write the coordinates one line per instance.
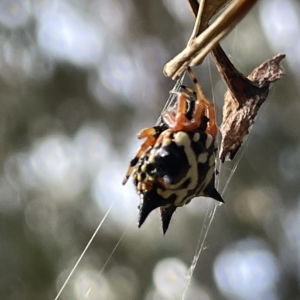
(243, 98)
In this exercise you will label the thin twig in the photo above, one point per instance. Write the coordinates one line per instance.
(199, 47)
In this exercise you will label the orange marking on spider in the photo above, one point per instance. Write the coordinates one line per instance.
(146, 186)
(146, 132)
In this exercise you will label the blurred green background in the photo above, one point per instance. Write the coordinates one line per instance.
(78, 80)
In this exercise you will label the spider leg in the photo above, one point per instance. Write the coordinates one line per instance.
(149, 134)
(148, 142)
(199, 93)
(189, 90)
(177, 122)
(203, 107)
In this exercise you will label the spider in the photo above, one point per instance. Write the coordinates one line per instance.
(176, 162)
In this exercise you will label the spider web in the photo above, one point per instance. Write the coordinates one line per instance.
(208, 219)
(171, 102)
(210, 210)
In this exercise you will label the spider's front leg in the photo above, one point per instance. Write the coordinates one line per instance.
(203, 107)
(151, 136)
(178, 121)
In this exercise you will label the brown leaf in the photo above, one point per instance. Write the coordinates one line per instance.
(243, 98)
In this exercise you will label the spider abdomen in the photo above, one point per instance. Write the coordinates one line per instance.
(168, 162)
(177, 168)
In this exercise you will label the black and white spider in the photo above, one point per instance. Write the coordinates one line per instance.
(176, 162)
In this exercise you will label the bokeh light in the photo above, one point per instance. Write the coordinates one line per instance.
(65, 35)
(247, 271)
(78, 81)
(169, 277)
(14, 13)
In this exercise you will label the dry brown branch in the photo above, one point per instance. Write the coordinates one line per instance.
(204, 39)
